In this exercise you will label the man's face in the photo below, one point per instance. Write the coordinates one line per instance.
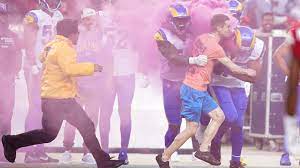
(267, 23)
(181, 24)
(88, 22)
(226, 30)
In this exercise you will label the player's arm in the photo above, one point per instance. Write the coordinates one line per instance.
(293, 84)
(169, 51)
(279, 56)
(235, 69)
(30, 34)
(18, 53)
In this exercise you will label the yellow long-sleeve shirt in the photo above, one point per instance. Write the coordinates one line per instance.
(60, 69)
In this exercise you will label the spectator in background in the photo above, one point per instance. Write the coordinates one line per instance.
(10, 65)
(88, 48)
(254, 9)
(267, 24)
(120, 69)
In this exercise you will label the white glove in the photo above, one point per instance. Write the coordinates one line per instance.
(35, 69)
(200, 60)
(143, 80)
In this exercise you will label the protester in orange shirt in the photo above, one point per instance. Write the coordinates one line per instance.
(194, 95)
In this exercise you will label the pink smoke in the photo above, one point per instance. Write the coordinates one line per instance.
(203, 10)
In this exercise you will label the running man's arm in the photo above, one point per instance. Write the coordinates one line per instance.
(66, 59)
(255, 65)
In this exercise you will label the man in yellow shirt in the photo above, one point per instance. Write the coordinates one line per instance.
(58, 92)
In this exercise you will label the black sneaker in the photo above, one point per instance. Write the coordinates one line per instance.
(236, 164)
(215, 150)
(111, 163)
(161, 163)
(9, 150)
(207, 157)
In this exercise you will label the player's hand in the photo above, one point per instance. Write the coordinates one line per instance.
(251, 72)
(35, 69)
(200, 60)
(143, 80)
(98, 68)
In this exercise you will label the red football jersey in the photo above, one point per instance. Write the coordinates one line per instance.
(295, 32)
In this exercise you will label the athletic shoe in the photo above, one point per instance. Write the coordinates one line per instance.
(34, 157)
(161, 163)
(207, 157)
(236, 164)
(111, 163)
(285, 160)
(31, 157)
(123, 156)
(44, 158)
(66, 157)
(215, 150)
(9, 150)
(243, 161)
(88, 159)
(194, 159)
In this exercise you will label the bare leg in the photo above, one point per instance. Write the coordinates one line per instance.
(217, 117)
(180, 139)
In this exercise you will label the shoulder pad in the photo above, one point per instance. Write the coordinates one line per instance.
(31, 17)
(160, 35)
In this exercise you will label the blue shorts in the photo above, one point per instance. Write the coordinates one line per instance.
(195, 102)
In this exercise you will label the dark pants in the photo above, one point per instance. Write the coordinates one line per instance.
(7, 88)
(54, 112)
(90, 99)
(123, 87)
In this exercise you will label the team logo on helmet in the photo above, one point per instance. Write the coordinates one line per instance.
(245, 38)
(235, 8)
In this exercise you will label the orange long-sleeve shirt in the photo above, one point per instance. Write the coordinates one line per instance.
(60, 69)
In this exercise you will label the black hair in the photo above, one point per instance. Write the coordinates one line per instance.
(67, 27)
(218, 20)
